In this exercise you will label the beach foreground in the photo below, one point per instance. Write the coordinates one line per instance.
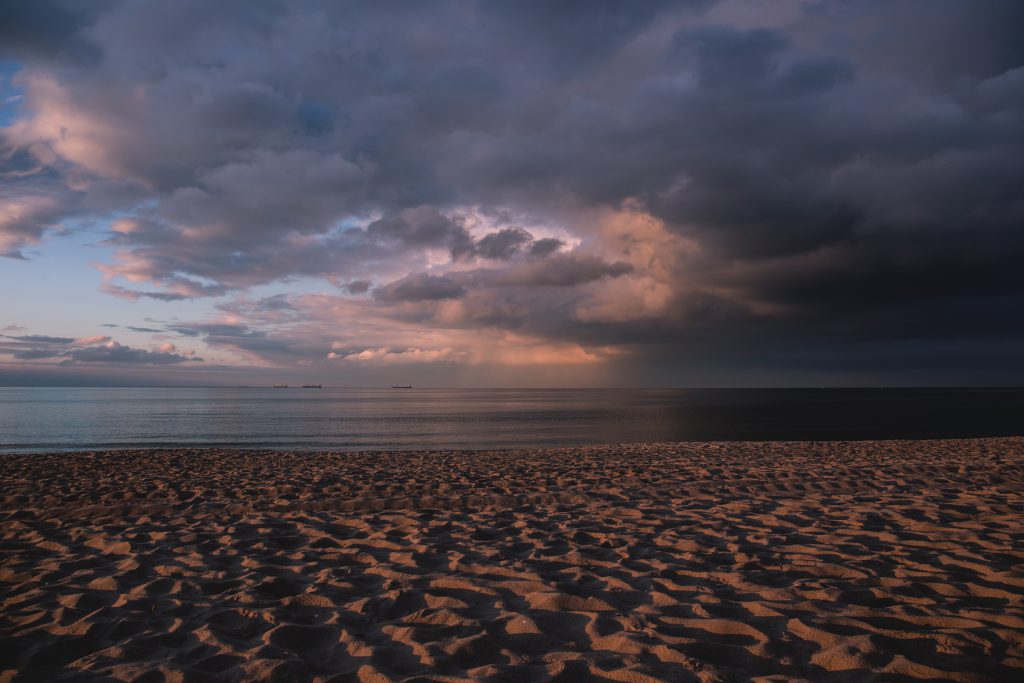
(717, 561)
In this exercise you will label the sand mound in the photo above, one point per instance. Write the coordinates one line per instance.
(892, 561)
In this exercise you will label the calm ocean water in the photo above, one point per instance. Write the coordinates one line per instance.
(37, 419)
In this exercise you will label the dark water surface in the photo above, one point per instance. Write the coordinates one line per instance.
(37, 419)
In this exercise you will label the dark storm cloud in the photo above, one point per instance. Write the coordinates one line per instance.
(574, 35)
(504, 243)
(545, 246)
(855, 170)
(357, 286)
(48, 29)
(420, 287)
(423, 227)
(932, 42)
(560, 270)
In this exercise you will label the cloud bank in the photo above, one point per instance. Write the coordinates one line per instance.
(95, 349)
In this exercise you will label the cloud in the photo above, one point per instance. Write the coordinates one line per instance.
(356, 286)
(420, 287)
(158, 252)
(423, 227)
(778, 176)
(91, 341)
(35, 354)
(90, 349)
(387, 356)
(46, 29)
(32, 202)
(42, 339)
(504, 243)
(562, 270)
(112, 352)
(545, 246)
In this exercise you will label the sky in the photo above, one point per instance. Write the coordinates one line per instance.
(530, 193)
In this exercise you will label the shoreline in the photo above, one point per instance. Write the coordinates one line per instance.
(897, 560)
(236, 448)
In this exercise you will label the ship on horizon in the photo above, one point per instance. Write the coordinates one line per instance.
(401, 386)
(312, 386)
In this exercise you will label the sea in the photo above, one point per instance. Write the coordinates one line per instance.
(353, 419)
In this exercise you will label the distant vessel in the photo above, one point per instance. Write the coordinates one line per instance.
(312, 386)
(280, 386)
(401, 386)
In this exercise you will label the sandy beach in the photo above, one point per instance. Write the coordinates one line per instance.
(840, 561)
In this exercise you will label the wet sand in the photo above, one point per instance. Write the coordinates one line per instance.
(841, 561)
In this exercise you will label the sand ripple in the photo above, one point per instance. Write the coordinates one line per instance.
(891, 561)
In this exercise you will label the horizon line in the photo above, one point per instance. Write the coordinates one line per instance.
(511, 388)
